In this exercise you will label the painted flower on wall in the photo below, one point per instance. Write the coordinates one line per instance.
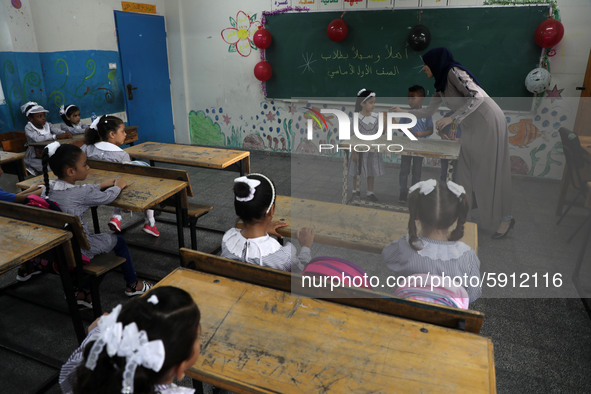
(239, 36)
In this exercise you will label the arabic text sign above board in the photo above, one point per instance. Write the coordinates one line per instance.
(495, 43)
(138, 7)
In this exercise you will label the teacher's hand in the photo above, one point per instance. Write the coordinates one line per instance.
(443, 122)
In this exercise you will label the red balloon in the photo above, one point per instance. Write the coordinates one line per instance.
(262, 38)
(549, 33)
(337, 30)
(263, 71)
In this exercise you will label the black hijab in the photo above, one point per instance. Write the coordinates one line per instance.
(440, 60)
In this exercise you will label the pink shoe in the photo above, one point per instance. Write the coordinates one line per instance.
(152, 230)
(115, 224)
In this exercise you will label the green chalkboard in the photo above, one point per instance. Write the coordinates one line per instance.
(495, 43)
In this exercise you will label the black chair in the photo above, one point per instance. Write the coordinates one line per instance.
(576, 161)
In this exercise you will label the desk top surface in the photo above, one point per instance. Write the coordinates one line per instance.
(191, 155)
(349, 226)
(258, 339)
(424, 147)
(141, 193)
(21, 241)
(6, 157)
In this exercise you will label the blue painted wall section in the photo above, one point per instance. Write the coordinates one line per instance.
(56, 78)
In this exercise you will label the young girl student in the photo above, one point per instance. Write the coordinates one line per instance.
(68, 163)
(71, 116)
(366, 164)
(37, 130)
(255, 205)
(435, 250)
(138, 348)
(102, 140)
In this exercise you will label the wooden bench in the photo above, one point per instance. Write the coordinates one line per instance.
(193, 212)
(14, 141)
(440, 315)
(99, 265)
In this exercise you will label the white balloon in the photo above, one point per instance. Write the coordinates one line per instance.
(538, 80)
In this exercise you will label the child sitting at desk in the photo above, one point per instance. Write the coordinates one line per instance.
(423, 129)
(68, 163)
(255, 205)
(71, 116)
(437, 206)
(37, 130)
(102, 140)
(138, 348)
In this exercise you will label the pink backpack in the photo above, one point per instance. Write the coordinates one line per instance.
(421, 289)
(332, 266)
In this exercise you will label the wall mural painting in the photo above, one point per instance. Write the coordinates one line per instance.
(22, 82)
(239, 35)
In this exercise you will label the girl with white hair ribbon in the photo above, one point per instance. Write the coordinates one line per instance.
(366, 164)
(254, 202)
(38, 130)
(436, 248)
(71, 116)
(102, 142)
(138, 348)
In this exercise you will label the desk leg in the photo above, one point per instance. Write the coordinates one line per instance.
(450, 170)
(345, 176)
(245, 169)
(179, 219)
(95, 220)
(21, 171)
(65, 256)
(564, 183)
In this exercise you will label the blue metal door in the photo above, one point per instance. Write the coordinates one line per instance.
(144, 63)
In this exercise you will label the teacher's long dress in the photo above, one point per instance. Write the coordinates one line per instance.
(483, 165)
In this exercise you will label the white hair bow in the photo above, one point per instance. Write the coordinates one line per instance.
(94, 124)
(64, 111)
(252, 184)
(24, 106)
(425, 187)
(153, 299)
(109, 334)
(137, 350)
(456, 189)
(51, 148)
(361, 91)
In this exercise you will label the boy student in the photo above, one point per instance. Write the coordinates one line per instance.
(423, 129)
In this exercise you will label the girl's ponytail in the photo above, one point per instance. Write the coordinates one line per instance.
(463, 208)
(91, 136)
(413, 206)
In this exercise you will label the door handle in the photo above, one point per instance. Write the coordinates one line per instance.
(580, 88)
(130, 90)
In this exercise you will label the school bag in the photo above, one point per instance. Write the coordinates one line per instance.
(347, 271)
(423, 287)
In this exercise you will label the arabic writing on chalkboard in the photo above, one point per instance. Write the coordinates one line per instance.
(353, 62)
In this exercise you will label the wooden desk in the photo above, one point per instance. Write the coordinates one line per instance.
(142, 192)
(586, 142)
(14, 160)
(20, 241)
(257, 339)
(78, 140)
(423, 147)
(191, 155)
(348, 226)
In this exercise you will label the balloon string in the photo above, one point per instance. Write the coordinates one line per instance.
(343, 14)
(419, 15)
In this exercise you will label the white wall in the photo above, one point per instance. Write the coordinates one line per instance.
(17, 30)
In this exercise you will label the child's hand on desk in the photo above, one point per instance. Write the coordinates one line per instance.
(120, 183)
(306, 236)
(273, 226)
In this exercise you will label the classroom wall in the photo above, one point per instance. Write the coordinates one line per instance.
(214, 86)
(58, 52)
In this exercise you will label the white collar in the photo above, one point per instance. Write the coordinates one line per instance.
(103, 145)
(441, 250)
(256, 248)
(58, 184)
(369, 118)
(44, 130)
